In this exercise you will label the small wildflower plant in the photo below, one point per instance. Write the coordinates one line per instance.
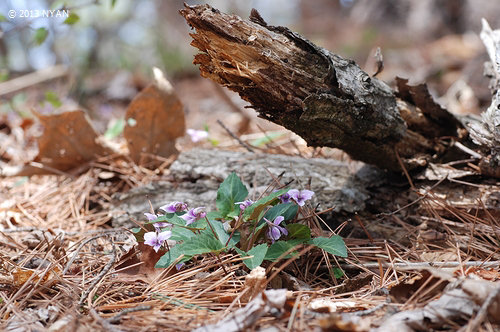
(258, 231)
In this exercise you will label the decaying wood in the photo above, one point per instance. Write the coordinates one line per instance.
(487, 132)
(198, 174)
(327, 100)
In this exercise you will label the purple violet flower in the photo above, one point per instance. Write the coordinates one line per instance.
(246, 203)
(285, 198)
(193, 215)
(174, 207)
(300, 196)
(197, 135)
(151, 216)
(275, 231)
(159, 225)
(155, 239)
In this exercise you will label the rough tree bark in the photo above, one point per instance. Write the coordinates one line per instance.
(487, 132)
(197, 174)
(327, 100)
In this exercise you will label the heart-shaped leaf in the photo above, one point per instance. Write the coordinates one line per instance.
(257, 254)
(232, 190)
(253, 211)
(334, 245)
(278, 248)
(298, 231)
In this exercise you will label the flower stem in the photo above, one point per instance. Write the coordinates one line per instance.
(211, 228)
(236, 225)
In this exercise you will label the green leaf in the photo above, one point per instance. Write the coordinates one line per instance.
(138, 234)
(333, 245)
(212, 215)
(338, 273)
(279, 247)
(40, 35)
(115, 128)
(113, 3)
(171, 256)
(3, 18)
(52, 98)
(268, 138)
(4, 75)
(232, 190)
(298, 231)
(175, 220)
(72, 19)
(258, 253)
(253, 211)
(287, 210)
(223, 235)
(201, 244)
(170, 218)
(181, 234)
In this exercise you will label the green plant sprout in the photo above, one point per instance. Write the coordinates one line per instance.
(258, 231)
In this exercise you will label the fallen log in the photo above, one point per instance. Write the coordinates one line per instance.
(327, 100)
(197, 174)
(487, 132)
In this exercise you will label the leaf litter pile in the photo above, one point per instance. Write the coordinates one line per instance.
(418, 258)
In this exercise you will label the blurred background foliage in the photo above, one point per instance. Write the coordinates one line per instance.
(112, 34)
(135, 35)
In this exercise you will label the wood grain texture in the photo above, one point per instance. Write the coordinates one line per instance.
(324, 98)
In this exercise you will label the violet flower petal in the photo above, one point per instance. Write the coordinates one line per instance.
(164, 236)
(283, 230)
(278, 220)
(159, 225)
(246, 203)
(174, 207)
(197, 135)
(150, 216)
(151, 239)
(303, 196)
(285, 198)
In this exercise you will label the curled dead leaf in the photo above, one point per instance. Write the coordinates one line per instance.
(139, 264)
(68, 140)
(154, 119)
(21, 276)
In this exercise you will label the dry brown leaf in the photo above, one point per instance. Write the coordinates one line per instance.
(154, 119)
(462, 299)
(486, 274)
(403, 291)
(68, 140)
(243, 318)
(139, 264)
(21, 276)
(480, 291)
(449, 255)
